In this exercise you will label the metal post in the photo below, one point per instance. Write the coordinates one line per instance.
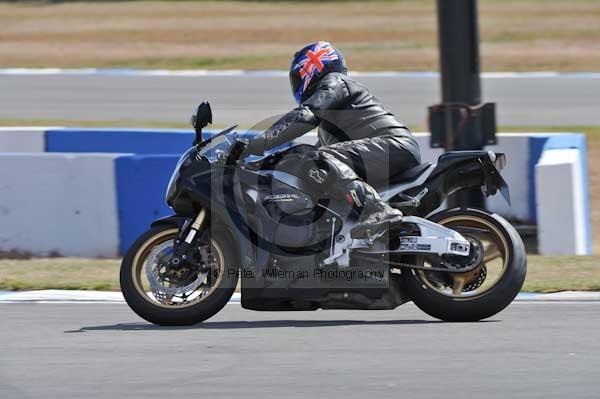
(459, 65)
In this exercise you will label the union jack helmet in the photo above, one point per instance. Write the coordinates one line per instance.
(310, 64)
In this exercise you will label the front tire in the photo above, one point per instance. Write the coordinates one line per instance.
(169, 310)
(470, 299)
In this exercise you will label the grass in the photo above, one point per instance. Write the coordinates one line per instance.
(545, 274)
(374, 35)
(552, 274)
(59, 273)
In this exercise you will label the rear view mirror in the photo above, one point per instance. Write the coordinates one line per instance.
(201, 118)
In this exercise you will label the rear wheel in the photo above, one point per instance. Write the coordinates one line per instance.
(184, 296)
(482, 292)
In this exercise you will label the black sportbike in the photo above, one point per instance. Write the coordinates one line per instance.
(255, 222)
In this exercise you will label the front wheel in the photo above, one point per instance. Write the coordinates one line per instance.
(482, 292)
(184, 296)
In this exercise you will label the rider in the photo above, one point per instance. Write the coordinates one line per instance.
(359, 140)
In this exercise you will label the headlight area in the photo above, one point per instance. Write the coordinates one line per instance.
(184, 161)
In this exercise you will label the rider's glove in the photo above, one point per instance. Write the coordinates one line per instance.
(256, 146)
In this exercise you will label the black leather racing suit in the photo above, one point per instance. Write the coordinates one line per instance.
(360, 142)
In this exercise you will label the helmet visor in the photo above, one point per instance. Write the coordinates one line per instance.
(296, 85)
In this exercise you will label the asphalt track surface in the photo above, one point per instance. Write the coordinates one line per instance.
(247, 99)
(531, 350)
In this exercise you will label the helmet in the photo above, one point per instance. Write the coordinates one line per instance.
(310, 64)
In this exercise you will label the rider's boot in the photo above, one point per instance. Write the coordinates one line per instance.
(376, 216)
(338, 179)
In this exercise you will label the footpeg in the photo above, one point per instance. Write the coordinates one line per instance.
(371, 238)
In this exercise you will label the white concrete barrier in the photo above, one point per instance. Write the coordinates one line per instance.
(23, 139)
(63, 203)
(561, 214)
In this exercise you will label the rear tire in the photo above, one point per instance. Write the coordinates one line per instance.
(161, 314)
(465, 308)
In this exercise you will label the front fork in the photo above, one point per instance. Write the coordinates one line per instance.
(184, 248)
(196, 226)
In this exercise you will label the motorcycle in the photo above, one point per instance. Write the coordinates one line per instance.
(255, 222)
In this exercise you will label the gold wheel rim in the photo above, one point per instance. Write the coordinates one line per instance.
(496, 252)
(139, 262)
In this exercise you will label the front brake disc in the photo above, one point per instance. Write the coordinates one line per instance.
(154, 277)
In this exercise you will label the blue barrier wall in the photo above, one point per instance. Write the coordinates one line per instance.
(135, 141)
(536, 148)
(141, 182)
